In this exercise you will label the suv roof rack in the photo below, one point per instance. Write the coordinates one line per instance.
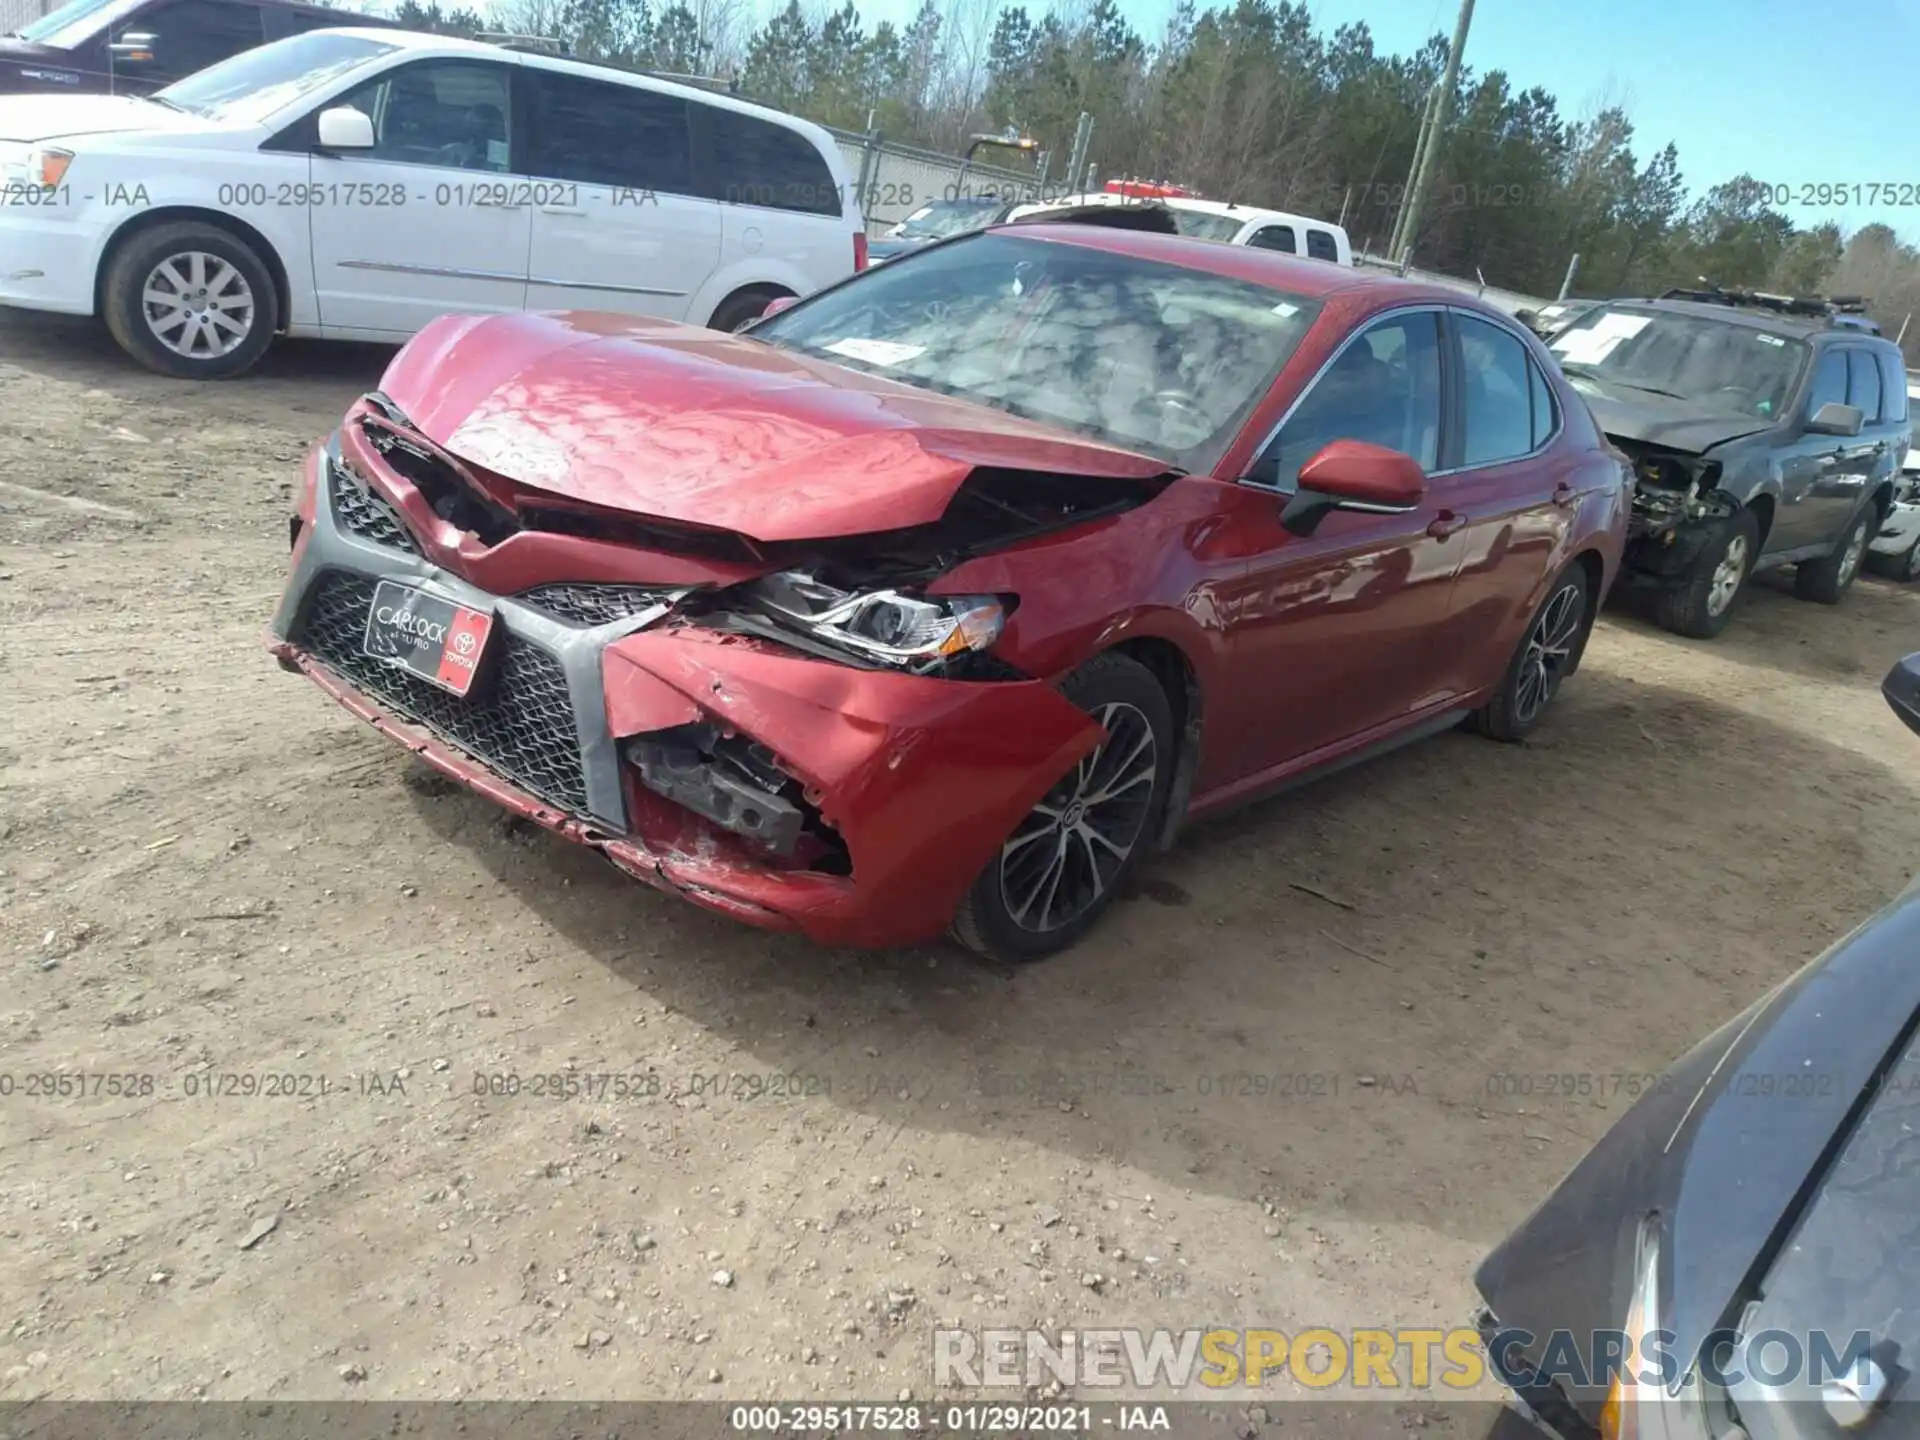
(1848, 310)
(537, 44)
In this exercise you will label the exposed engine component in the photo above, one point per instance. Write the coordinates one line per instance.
(1672, 489)
(729, 780)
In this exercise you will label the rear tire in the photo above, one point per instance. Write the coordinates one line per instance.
(1073, 853)
(1702, 604)
(1827, 580)
(740, 310)
(191, 300)
(1547, 654)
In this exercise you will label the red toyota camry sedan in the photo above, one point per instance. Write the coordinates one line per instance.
(939, 598)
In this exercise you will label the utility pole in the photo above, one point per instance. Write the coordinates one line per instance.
(1410, 221)
(1573, 269)
(1413, 172)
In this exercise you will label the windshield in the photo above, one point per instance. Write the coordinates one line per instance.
(1154, 358)
(73, 22)
(1722, 366)
(253, 84)
(948, 217)
(1203, 226)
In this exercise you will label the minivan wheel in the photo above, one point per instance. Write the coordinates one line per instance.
(1827, 580)
(1704, 599)
(1548, 652)
(736, 312)
(1070, 856)
(192, 301)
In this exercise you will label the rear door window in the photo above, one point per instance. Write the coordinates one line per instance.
(1496, 391)
(1274, 237)
(601, 133)
(1546, 410)
(1893, 388)
(742, 159)
(1322, 246)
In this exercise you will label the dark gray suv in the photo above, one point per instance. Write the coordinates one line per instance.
(1764, 431)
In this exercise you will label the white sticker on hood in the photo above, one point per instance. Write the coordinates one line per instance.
(1590, 344)
(875, 352)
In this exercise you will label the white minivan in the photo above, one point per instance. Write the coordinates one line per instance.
(353, 184)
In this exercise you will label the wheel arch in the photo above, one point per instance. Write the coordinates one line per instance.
(1594, 564)
(1764, 507)
(772, 289)
(175, 214)
(1178, 677)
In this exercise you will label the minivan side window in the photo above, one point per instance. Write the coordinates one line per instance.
(1893, 388)
(1321, 245)
(190, 35)
(597, 132)
(744, 160)
(451, 113)
(1863, 383)
(1273, 237)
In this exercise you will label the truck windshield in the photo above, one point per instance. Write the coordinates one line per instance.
(1720, 366)
(73, 22)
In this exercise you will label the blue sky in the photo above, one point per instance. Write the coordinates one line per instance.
(1788, 91)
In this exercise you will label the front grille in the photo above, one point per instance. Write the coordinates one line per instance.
(519, 720)
(592, 604)
(368, 515)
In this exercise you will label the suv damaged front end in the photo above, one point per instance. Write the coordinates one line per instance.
(805, 734)
(1677, 503)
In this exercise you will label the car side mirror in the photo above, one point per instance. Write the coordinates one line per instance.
(1353, 475)
(134, 49)
(1833, 418)
(1901, 690)
(345, 128)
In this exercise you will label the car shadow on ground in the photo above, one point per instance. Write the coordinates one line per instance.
(1263, 1009)
(1771, 630)
(78, 347)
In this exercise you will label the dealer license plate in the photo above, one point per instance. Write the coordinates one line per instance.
(441, 642)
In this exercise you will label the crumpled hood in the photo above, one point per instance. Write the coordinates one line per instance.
(1681, 425)
(675, 422)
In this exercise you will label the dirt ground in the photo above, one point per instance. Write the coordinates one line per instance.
(207, 867)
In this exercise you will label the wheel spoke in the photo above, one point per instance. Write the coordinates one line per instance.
(226, 322)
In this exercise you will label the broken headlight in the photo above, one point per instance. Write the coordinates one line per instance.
(916, 632)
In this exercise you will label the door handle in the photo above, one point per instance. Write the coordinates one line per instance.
(1564, 494)
(1444, 524)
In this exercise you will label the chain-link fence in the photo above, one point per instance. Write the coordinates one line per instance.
(15, 13)
(895, 180)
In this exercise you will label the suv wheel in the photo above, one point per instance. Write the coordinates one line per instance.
(1828, 579)
(1069, 857)
(1704, 600)
(191, 301)
(1547, 654)
(736, 312)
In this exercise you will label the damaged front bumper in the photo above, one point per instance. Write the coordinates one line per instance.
(1675, 516)
(853, 805)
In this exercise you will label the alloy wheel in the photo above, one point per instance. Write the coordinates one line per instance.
(1727, 576)
(1549, 648)
(1065, 855)
(198, 305)
(1850, 560)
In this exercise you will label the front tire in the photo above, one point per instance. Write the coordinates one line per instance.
(1826, 581)
(1704, 601)
(1071, 855)
(192, 301)
(1548, 652)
